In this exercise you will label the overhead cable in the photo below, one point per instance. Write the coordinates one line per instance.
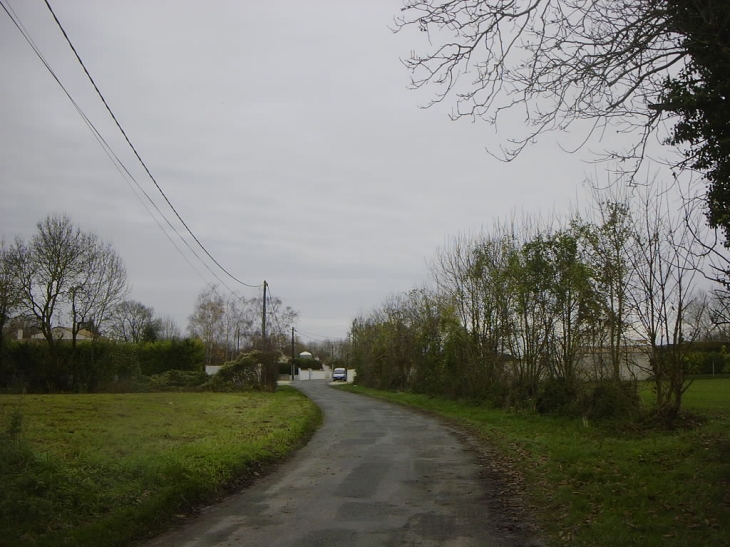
(129, 142)
(116, 161)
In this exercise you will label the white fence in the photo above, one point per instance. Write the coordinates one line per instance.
(308, 374)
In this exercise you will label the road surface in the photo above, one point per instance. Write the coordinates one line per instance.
(374, 475)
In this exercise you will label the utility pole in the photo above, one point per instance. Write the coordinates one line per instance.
(263, 320)
(292, 355)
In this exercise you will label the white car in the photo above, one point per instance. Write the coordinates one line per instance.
(339, 374)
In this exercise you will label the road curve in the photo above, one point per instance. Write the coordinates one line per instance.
(374, 475)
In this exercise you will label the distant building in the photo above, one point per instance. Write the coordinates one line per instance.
(305, 355)
(634, 362)
(61, 333)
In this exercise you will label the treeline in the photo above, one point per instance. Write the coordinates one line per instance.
(563, 318)
(66, 323)
(231, 324)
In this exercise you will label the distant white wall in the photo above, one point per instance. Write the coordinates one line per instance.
(210, 370)
(308, 374)
(635, 363)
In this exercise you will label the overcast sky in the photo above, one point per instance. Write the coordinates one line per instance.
(283, 132)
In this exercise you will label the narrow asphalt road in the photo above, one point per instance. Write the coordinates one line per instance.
(374, 474)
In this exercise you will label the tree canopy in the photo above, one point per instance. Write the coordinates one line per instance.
(700, 97)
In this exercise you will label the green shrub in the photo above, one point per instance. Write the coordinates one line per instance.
(250, 371)
(522, 395)
(558, 396)
(177, 380)
(610, 400)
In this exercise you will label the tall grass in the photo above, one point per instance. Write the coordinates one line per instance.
(615, 484)
(103, 469)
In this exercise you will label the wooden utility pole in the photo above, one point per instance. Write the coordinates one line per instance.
(263, 320)
(292, 355)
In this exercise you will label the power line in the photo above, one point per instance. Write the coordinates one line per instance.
(116, 161)
(315, 336)
(129, 142)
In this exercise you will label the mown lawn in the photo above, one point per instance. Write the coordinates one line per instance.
(102, 470)
(613, 484)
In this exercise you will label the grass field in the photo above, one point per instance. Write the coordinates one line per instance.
(709, 395)
(611, 485)
(101, 470)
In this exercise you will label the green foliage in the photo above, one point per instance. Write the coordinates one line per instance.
(536, 323)
(177, 380)
(158, 357)
(611, 401)
(116, 468)
(699, 94)
(91, 365)
(29, 366)
(708, 358)
(250, 371)
(558, 396)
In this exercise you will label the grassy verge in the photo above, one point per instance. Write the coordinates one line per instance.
(611, 485)
(103, 470)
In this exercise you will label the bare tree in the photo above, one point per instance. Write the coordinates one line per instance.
(206, 323)
(719, 315)
(472, 275)
(611, 247)
(557, 61)
(169, 329)
(238, 322)
(666, 264)
(279, 320)
(48, 268)
(101, 286)
(129, 321)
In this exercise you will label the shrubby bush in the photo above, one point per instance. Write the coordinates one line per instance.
(558, 396)
(249, 371)
(609, 400)
(177, 380)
